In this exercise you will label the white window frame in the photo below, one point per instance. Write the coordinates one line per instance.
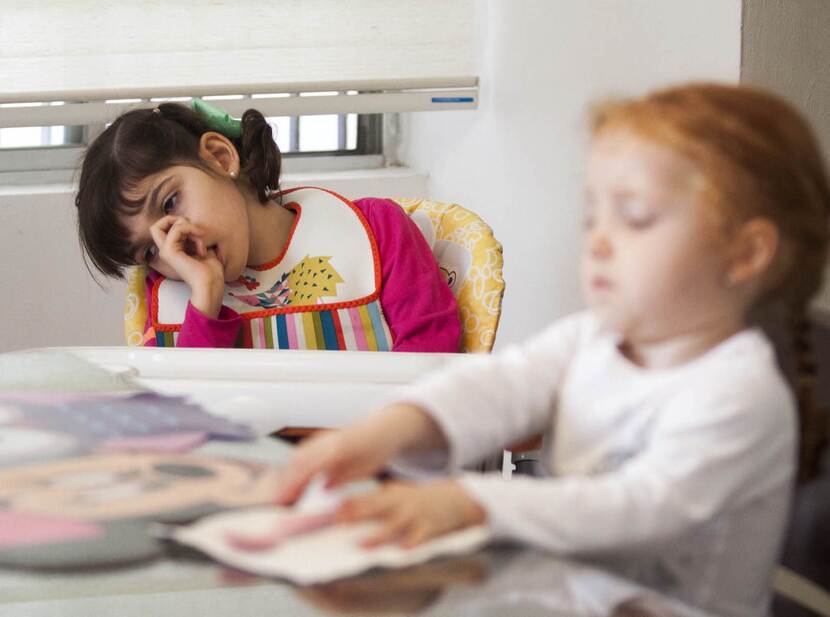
(47, 164)
(59, 163)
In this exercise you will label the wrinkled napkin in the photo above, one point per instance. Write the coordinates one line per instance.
(318, 556)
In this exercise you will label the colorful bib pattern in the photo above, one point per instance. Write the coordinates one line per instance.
(360, 328)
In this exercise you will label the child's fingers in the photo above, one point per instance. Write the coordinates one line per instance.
(164, 223)
(289, 488)
(191, 229)
(287, 528)
(311, 458)
(180, 228)
(159, 233)
(394, 527)
(342, 474)
(337, 455)
(319, 455)
(416, 534)
(160, 230)
(291, 484)
(167, 222)
(374, 505)
(181, 235)
(176, 234)
(386, 506)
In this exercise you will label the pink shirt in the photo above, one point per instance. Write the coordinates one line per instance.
(418, 305)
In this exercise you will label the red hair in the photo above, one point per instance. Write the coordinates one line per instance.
(759, 158)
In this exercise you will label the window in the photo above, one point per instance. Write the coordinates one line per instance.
(36, 136)
(343, 63)
(36, 154)
(329, 134)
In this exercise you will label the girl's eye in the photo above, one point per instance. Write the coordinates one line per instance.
(640, 222)
(637, 214)
(150, 254)
(170, 203)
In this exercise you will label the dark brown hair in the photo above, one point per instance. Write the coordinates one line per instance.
(759, 158)
(141, 143)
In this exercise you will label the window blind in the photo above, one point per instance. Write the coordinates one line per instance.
(70, 58)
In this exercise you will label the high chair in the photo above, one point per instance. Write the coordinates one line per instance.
(471, 259)
(467, 253)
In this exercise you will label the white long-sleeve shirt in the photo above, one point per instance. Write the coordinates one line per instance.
(682, 475)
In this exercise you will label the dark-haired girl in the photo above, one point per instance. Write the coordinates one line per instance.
(234, 261)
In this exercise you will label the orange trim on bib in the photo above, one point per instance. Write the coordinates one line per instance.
(267, 266)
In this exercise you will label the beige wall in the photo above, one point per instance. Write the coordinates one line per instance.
(785, 46)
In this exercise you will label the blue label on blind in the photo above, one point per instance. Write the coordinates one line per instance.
(453, 99)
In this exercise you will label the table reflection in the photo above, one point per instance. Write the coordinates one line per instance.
(498, 581)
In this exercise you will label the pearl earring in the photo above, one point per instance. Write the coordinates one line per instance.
(232, 174)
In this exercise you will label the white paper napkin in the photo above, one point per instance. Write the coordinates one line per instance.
(318, 556)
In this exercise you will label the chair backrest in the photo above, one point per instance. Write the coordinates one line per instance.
(471, 258)
(464, 246)
(135, 306)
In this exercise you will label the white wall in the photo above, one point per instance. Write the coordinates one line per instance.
(50, 299)
(517, 160)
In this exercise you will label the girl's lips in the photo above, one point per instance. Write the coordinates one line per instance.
(600, 282)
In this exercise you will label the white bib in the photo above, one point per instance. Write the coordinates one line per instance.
(331, 259)
(323, 292)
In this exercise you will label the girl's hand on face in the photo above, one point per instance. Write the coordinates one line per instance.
(411, 514)
(181, 246)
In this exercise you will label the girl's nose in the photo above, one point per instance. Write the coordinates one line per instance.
(599, 246)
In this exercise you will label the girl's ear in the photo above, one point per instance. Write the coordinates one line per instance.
(217, 150)
(753, 249)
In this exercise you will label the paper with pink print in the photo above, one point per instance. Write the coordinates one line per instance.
(25, 529)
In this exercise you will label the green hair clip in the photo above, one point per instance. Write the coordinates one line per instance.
(217, 119)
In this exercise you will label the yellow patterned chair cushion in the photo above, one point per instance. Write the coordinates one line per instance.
(135, 306)
(464, 246)
(471, 258)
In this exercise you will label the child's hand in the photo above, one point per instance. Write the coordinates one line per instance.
(412, 514)
(339, 455)
(358, 451)
(181, 247)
